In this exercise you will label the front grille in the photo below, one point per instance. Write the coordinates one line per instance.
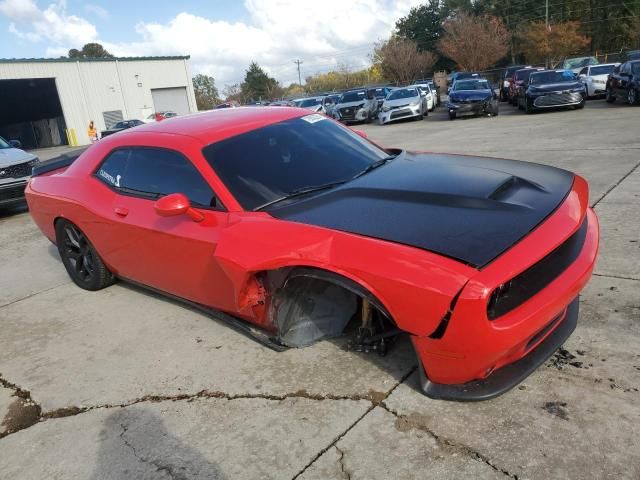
(12, 193)
(17, 171)
(348, 113)
(400, 113)
(522, 287)
(557, 99)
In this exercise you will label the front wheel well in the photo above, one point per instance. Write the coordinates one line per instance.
(310, 304)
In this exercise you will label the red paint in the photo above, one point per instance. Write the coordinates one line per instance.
(214, 260)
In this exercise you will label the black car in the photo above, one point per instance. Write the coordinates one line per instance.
(507, 78)
(123, 125)
(552, 89)
(472, 97)
(624, 82)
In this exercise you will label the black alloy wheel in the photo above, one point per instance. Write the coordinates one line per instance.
(452, 115)
(80, 259)
(632, 96)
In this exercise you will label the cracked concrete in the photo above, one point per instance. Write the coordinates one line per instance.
(125, 384)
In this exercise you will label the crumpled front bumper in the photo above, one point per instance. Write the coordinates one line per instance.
(477, 358)
(474, 108)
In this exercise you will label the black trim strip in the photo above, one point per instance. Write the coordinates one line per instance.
(56, 163)
(527, 284)
(507, 377)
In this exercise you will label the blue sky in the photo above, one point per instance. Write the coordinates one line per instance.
(222, 36)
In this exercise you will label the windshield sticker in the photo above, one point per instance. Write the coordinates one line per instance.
(313, 118)
(109, 178)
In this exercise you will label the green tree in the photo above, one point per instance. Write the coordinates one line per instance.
(90, 50)
(206, 92)
(257, 84)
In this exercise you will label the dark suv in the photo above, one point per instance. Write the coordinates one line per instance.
(506, 81)
(624, 82)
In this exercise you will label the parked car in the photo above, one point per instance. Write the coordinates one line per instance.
(358, 105)
(552, 89)
(232, 104)
(472, 97)
(506, 81)
(430, 96)
(281, 103)
(310, 103)
(632, 55)
(401, 103)
(329, 103)
(15, 170)
(576, 64)
(624, 82)
(118, 127)
(594, 78)
(460, 76)
(159, 116)
(380, 93)
(519, 84)
(294, 226)
(434, 88)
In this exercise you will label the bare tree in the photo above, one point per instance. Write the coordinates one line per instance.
(474, 42)
(400, 60)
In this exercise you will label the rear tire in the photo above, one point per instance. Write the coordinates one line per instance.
(632, 97)
(80, 258)
(608, 96)
(452, 115)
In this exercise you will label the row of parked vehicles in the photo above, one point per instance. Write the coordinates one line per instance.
(366, 104)
(532, 88)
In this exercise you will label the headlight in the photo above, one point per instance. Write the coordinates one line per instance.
(415, 104)
(385, 108)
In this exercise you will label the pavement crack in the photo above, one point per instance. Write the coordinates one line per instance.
(22, 413)
(624, 177)
(345, 473)
(17, 300)
(615, 276)
(416, 421)
(168, 469)
(378, 402)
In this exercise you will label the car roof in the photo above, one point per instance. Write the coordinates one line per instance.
(216, 125)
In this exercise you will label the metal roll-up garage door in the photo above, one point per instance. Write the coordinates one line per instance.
(174, 99)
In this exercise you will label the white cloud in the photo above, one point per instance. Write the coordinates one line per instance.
(98, 11)
(52, 24)
(321, 34)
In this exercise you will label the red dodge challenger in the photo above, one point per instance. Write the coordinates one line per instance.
(294, 228)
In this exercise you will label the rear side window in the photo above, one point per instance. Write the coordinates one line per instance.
(153, 173)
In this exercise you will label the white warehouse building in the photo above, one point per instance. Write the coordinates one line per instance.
(49, 102)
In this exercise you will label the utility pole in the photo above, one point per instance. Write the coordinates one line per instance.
(546, 23)
(298, 63)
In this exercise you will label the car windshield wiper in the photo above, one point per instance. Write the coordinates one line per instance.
(374, 165)
(302, 191)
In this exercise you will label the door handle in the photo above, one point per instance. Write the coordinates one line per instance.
(121, 211)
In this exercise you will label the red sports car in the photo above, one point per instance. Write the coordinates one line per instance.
(292, 226)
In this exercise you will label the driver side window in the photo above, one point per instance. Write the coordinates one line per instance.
(153, 173)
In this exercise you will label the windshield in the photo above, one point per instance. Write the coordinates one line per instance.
(602, 70)
(403, 93)
(4, 143)
(380, 92)
(309, 102)
(471, 85)
(579, 62)
(332, 98)
(265, 164)
(352, 96)
(539, 78)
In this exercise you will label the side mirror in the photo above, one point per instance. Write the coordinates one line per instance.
(177, 204)
(360, 132)
(15, 143)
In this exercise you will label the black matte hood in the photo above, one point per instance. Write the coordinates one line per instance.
(468, 208)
